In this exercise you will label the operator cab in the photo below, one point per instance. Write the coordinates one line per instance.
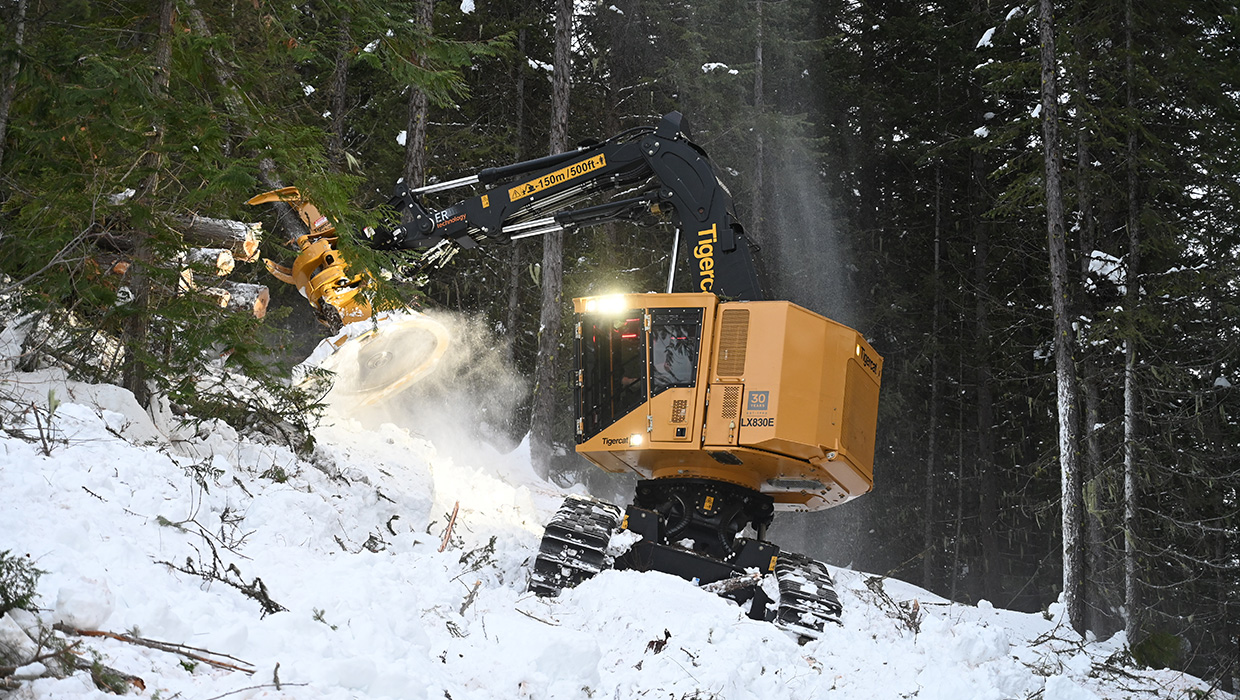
(763, 395)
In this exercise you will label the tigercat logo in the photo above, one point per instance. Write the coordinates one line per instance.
(704, 251)
(612, 442)
(542, 182)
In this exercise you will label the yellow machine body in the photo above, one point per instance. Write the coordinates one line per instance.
(778, 399)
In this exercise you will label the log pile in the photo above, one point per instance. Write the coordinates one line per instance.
(201, 270)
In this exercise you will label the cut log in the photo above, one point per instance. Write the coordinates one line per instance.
(239, 237)
(218, 296)
(219, 258)
(251, 298)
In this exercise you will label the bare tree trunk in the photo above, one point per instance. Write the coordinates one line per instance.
(515, 250)
(10, 78)
(932, 425)
(1132, 601)
(988, 481)
(1092, 474)
(1061, 303)
(542, 422)
(419, 110)
(757, 225)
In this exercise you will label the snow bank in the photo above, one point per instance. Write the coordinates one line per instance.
(146, 535)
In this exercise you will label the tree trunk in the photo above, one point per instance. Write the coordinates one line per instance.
(414, 172)
(759, 106)
(988, 479)
(134, 336)
(542, 421)
(1132, 602)
(9, 88)
(515, 250)
(1061, 303)
(340, 87)
(932, 422)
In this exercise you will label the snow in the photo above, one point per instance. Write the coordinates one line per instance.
(129, 503)
(986, 37)
(712, 67)
(467, 6)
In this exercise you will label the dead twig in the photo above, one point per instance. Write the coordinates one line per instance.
(257, 687)
(535, 617)
(447, 533)
(469, 599)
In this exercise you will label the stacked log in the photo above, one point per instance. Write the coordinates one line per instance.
(238, 237)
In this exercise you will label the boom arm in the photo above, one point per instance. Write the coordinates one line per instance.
(650, 172)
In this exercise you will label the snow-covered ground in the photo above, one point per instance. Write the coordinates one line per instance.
(151, 531)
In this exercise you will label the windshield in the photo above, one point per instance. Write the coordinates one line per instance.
(611, 361)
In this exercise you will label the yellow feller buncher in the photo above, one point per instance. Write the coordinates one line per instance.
(729, 407)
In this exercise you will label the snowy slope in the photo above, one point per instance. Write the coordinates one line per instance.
(347, 544)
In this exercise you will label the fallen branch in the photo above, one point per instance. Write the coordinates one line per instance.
(188, 652)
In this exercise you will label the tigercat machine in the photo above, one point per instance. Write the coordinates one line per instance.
(729, 407)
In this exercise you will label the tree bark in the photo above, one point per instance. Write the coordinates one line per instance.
(1065, 345)
(10, 79)
(542, 420)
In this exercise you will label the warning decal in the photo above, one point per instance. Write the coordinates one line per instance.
(552, 179)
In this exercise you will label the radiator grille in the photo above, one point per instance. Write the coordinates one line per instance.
(679, 408)
(731, 402)
(733, 338)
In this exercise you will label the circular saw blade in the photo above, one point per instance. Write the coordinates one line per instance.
(398, 352)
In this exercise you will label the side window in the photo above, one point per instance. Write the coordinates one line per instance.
(675, 344)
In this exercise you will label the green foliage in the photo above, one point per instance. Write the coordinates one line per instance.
(1160, 650)
(19, 582)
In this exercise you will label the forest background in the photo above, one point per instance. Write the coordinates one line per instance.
(890, 159)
